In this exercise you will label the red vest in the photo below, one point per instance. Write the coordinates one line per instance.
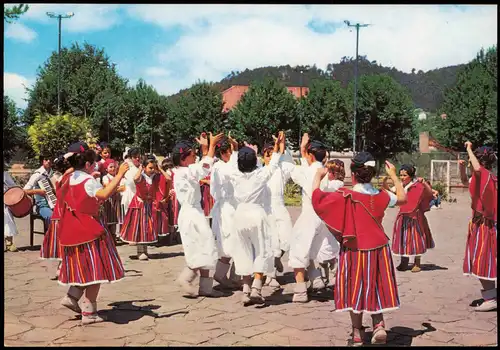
(418, 199)
(483, 190)
(163, 189)
(355, 219)
(79, 223)
(145, 191)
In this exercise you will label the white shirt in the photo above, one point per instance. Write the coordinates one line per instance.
(37, 176)
(221, 186)
(91, 186)
(303, 176)
(369, 189)
(251, 188)
(334, 185)
(187, 181)
(277, 182)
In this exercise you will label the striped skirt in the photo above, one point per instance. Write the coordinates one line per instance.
(139, 225)
(411, 236)
(91, 263)
(51, 249)
(481, 249)
(366, 281)
(173, 211)
(162, 220)
(111, 209)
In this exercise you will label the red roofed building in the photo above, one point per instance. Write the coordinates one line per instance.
(232, 95)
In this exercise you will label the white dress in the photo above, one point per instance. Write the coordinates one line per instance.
(9, 226)
(253, 248)
(310, 239)
(279, 217)
(221, 189)
(200, 250)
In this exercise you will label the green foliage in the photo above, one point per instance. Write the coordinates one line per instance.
(14, 133)
(265, 109)
(51, 134)
(385, 122)
(471, 105)
(327, 114)
(13, 13)
(442, 189)
(90, 87)
(292, 194)
(198, 110)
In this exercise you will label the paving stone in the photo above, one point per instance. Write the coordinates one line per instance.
(147, 307)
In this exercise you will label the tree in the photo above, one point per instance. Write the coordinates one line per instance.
(470, 107)
(51, 134)
(266, 108)
(327, 114)
(197, 110)
(13, 13)
(90, 87)
(14, 133)
(385, 124)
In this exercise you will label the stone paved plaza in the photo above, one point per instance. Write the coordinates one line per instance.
(147, 307)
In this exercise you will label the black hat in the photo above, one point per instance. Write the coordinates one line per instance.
(484, 150)
(182, 147)
(410, 169)
(364, 158)
(246, 153)
(267, 146)
(316, 144)
(76, 148)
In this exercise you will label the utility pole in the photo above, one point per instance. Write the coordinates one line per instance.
(357, 25)
(59, 17)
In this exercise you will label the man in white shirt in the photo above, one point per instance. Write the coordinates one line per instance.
(33, 188)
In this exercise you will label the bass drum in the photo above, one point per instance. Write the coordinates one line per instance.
(19, 203)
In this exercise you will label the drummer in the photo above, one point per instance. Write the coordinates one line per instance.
(32, 188)
(9, 226)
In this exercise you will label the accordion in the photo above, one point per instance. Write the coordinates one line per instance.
(46, 185)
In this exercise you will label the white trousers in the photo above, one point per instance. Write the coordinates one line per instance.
(222, 226)
(252, 245)
(9, 225)
(311, 240)
(281, 224)
(197, 238)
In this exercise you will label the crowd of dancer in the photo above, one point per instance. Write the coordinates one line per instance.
(228, 206)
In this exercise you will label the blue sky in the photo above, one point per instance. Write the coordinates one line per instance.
(173, 46)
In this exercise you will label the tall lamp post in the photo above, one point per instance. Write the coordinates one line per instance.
(300, 112)
(59, 18)
(357, 25)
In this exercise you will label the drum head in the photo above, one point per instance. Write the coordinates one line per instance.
(13, 195)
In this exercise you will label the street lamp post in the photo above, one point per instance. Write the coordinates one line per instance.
(300, 112)
(59, 17)
(357, 25)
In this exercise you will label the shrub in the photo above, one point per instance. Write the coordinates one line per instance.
(441, 188)
(293, 195)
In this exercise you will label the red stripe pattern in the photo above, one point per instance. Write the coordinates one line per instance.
(207, 201)
(111, 209)
(139, 225)
(162, 220)
(51, 249)
(91, 263)
(481, 249)
(411, 235)
(173, 211)
(366, 281)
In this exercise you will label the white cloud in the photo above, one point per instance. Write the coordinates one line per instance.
(157, 72)
(14, 86)
(221, 38)
(20, 32)
(87, 17)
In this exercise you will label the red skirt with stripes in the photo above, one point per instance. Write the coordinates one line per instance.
(366, 281)
(481, 249)
(111, 209)
(51, 249)
(173, 211)
(91, 263)
(162, 220)
(140, 225)
(412, 235)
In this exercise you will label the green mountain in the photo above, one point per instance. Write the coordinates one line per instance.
(426, 88)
